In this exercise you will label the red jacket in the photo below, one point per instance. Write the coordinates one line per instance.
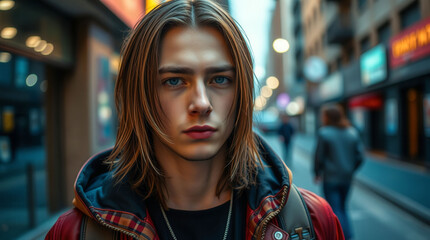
(116, 206)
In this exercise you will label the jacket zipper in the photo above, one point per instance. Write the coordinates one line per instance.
(273, 214)
(115, 228)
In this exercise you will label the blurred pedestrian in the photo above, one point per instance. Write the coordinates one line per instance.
(186, 164)
(338, 155)
(286, 132)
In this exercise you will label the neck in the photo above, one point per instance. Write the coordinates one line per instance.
(191, 185)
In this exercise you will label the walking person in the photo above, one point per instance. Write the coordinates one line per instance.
(338, 155)
(286, 132)
(186, 164)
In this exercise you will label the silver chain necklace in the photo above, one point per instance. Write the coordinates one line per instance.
(226, 227)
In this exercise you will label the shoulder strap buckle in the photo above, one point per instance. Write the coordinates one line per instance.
(295, 218)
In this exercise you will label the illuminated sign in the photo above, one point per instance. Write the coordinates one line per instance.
(331, 87)
(411, 44)
(129, 11)
(151, 4)
(373, 65)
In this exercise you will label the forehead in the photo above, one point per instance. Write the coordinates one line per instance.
(196, 46)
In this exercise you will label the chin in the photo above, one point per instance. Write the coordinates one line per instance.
(199, 157)
(200, 154)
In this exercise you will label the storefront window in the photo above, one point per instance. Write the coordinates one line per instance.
(23, 202)
(410, 15)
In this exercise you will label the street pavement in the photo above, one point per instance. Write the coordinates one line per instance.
(371, 216)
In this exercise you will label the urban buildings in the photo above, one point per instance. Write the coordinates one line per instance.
(376, 56)
(58, 62)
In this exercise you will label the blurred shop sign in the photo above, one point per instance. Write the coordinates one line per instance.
(367, 101)
(332, 87)
(129, 11)
(101, 78)
(411, 44)
(151, 4)
(315, 69)
(373, 65)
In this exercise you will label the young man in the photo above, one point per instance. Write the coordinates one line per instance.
(186, 164)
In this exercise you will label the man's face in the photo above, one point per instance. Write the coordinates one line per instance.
(196, 89)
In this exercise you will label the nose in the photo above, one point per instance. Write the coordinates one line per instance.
(200, 103)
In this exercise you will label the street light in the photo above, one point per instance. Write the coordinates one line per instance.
(8, 32)
(272, 82)
(266, 92)
(6, 5)
(281, 45)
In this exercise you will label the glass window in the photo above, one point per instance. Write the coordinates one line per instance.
(410, 15)
(365, 44)
(22, 147)
(384, 33)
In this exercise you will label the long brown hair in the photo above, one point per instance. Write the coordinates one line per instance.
(137, 101)
(334, 116)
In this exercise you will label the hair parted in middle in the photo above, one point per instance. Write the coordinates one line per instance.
(137, 101)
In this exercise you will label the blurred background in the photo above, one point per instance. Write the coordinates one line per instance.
(59, 60)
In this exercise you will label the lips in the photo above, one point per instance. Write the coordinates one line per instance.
(200, 132)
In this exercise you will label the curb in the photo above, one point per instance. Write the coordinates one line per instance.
(415, 209)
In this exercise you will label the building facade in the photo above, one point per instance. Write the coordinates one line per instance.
(58, 63)
(377, 57)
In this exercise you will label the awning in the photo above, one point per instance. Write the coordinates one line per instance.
(370, 101)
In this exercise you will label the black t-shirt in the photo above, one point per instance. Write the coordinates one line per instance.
(207, 224)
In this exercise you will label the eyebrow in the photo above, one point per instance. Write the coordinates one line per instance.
(186, 70)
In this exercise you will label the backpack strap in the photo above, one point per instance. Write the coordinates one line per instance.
(91, 230)
(295, 219)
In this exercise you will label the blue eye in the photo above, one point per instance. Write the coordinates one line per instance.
(221, 80)
(173, 82)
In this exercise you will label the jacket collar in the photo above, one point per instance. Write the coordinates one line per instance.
(117, 206)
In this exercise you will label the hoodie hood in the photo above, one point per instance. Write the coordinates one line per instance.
(117, 206)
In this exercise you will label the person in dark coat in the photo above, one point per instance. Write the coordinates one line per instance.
(338, 155)
(286, 132)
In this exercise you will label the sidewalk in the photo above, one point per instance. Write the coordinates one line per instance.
(24, 157)
(40, 232)
(403, 184)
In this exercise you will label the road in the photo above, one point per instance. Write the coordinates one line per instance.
(372, 217)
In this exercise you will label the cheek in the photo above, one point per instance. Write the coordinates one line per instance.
(224, 104)
(170, 110)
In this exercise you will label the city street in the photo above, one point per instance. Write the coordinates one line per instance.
(372, 217)
(78, 77)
